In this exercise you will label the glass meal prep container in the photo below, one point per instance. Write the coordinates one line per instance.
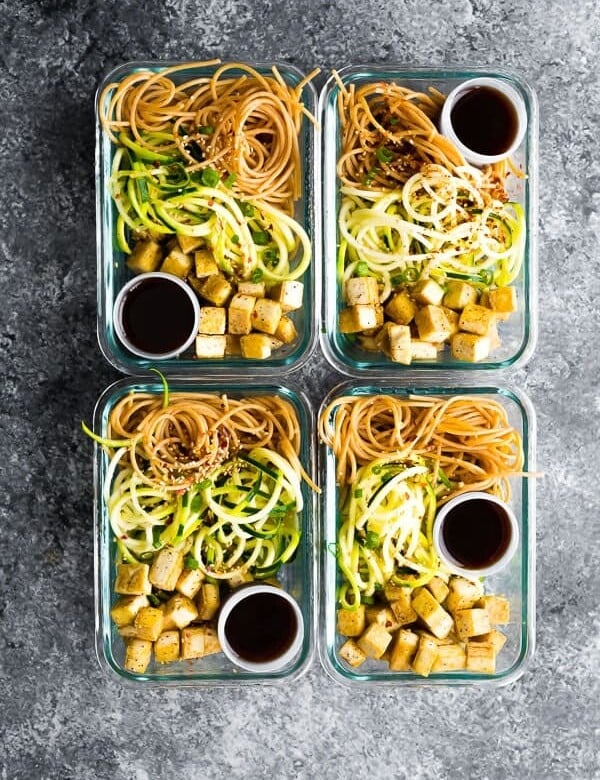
(518, 333)
(296, 577)
(113, 273)
(516, 582)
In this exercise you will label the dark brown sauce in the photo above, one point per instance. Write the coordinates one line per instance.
(158, 315)
(485, 120)
(476, 533)
(261, 627)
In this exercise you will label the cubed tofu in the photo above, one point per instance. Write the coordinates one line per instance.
(189, 582)
(361, 290)
(497, 607)
(205, 264)
(471, 622)
(503, 300)
(286, 330)
(402, 607)
(382, 339)
(438, 589)
(124, 610)
(166, 647)
(233, 346)
(358, 318)
(266, 315)
(289, 295)
(192, 642)
(213, 319)
(369, 343)
(481, 657)
(453, 318)
(133, 579)
(138, 653)
(149, 623)
(351, 622)
(352, 654)
(463, 594)
(180, 610)
(403, 649)
(376, 613)
(422, 350)
(427, 291)
(127, 632)
(394, 592)
(401, 308)
(240, 314)
(177, 263)
(374, 640)
(188, 244)
(459, 294)
(145, 257)
(476, 319)
(432, 324)
(253, 289)
(469, 347)
(494, 637)
(240, 577)
(256, 346)
(209, 601)
(210, 346)
(217, 289)
(450, 658)
(427, 652)
(211, 641)
(435, 617)
(379, 320)
(399, 346)
(166, 568)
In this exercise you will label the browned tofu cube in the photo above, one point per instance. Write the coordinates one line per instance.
(432, 324)
(503, 300)
(211, 641)
(471, 622)
(400, 344)
(192, 642)
(189, 582)
(180, 610)
(402, 607)
(425, 657)
(209, 601)
(374, 640)
(188, 244)
(289, 295)
(210, 346)
(266, 315)
(438, 589)
(376, 613)
(138, 653)
(469, 347)
(240, 314)
(450, 658)
(252, 289)
(213, 319)
(453, 318)
(463, 594)
(401, 308)
(423, 350)
(494, 637)
(351, 622)
(166, 647)
(233, 345)
(132, 579)
(497, 607)
(361, 290)
(459, 294)
(358, 318)
(476, 319)
(481, 657)
(149, 623)
(177, 263)
(124, 610)
(352, 654)
(217, 289)
(428, 292)
(286, 330)
(256, 346)
(205, 264)
(404, 647)
(145, 257)
(166, 568)
(435, 617)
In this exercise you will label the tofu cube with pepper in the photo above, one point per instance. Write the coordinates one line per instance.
(433, 324)
(476, 319)
(403, 649)
(351, 622)
(240, 314)
(209, 601)
(289, 295)
(463, 594)
(210, 346)
(189, 582)
(192, 642)
(253, 289)
(481, 657)
(211, 641)
(425, 656)
(382, 615)
(400, 349)
(188, 244)
(138, 653)
(402, 607)
(352, 654)
(166, 568)
(374, 640)
(146, 256)
(428, 291)
(497, 607)
(123, 612)
(450, 658)
(180, 611)
(149, 623)
(494, 637)
(256, 346)
(133, 579)
(286, 330)
(469, 347)
(358, 318)
(233, 346)
(453, 318)
(204, 264)
(361, 290)
(435, 617)
(177, 263)
(459, 294)
(438, 589)
(266, 315)
(503, 301)
(401, 308)
(422, 350)
(471, 622)
(166, 647)
(216, 289)
(213, 319)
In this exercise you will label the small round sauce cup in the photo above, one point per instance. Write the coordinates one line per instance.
(493, 101)
(260, 628)
(475, 534)
(156, 316)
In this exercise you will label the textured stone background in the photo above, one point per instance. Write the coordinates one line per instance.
(60, 716)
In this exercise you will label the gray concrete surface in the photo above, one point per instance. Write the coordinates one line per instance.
(60, 716)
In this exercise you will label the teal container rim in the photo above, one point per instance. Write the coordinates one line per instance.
(424, 385)
(307, 212)
(104, 547)
(334, 344)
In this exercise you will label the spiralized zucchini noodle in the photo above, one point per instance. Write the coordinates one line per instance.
(220, 476)
(398, 459)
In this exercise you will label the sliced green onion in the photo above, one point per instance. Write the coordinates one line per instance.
(206, 129)
(189, 562)
(209, 177)
(230, 180)
(260, 237)
(384, 155)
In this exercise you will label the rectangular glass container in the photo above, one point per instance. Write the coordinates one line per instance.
(112, 271)
(516, 582)
(296, 577)
(518, 334)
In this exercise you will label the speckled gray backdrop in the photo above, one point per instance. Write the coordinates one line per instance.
(60, 717)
